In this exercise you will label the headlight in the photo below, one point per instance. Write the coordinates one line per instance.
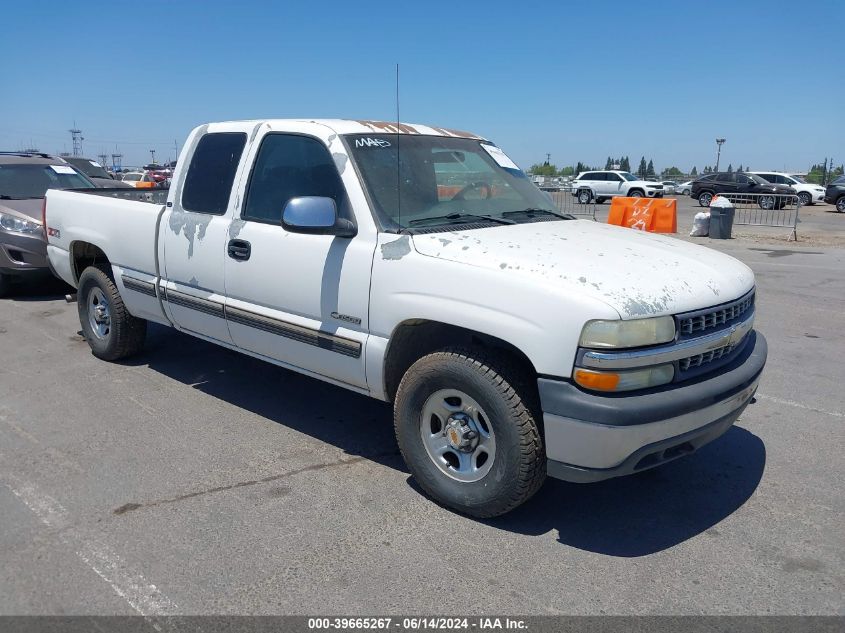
(625, 380)
(14, 223)
(634, 333)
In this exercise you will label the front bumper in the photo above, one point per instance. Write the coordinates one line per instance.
(654, 193)
(22, 254)
(590, 437)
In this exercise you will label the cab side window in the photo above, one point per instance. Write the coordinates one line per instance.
(290, 166)
(211, 173)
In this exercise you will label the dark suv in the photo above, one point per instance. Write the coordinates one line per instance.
(24, 179)
(725, 182)
(835, 194)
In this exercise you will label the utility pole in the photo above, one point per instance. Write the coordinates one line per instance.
(103, 158)
(153, 154)
(116, 161)
(548, 159)
(719, 142)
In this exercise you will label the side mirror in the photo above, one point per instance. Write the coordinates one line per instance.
(315, 215)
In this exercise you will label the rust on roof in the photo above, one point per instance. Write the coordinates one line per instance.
(403, 128)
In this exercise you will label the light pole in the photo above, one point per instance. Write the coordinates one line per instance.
(719, 142)
(153, 154)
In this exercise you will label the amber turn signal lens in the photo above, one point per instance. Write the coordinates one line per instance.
(603, 381)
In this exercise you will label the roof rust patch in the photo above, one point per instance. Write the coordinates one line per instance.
(392, 128)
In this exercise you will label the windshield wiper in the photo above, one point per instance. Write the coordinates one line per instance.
(531, 211)
(453, 217)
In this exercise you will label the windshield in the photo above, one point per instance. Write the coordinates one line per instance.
(32, 181)
(758, 179)
(798, 179)
(88, 167)
(437, 177)
(627, 176)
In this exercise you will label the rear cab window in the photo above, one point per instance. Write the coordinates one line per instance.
(211, 173)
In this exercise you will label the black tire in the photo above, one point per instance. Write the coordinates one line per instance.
(5, 283)
(704, 198)
(125, 333)
(805, 198)
(840, 204)
(636, 193)
(767, 202)
(599, 200)
(584, 196)
(518, 468)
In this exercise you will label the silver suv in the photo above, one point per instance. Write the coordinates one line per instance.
(24, 179)
(601, 185)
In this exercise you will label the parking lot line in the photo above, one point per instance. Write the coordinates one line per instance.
(140, 594)
(792, 403)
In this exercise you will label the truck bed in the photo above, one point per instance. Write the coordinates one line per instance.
(123, 223)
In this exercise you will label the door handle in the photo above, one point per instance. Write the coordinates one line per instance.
(239, 249)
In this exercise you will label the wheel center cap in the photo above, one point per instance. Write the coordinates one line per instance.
(460, 433)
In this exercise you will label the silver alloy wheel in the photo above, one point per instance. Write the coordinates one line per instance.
(767, 202)
(457, 435)
(840, 204)
(635, 194)
(584, 196)
(806, 198)
(705, 199)
(99, 315)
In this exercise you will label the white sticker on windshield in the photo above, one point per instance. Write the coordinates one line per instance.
(63, 169)
(95, 163)
(499, 156)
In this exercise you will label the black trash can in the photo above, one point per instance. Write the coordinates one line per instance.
(721, 221)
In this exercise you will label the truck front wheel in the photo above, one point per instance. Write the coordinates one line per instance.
(467, 431)
(111, 332)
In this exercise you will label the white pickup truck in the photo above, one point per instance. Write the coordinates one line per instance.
(419, 265)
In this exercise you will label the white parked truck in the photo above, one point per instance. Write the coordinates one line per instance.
(420, 266)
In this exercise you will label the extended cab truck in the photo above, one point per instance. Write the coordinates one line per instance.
(513, 341)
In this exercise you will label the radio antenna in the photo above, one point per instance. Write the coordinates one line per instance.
(398, 174)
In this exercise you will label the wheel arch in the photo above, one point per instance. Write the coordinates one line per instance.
(414, 338)
(84, 254)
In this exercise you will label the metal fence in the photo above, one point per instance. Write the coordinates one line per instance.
(568, 203)
(766, 209)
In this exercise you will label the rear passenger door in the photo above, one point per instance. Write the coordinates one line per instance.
(193, 236)
(725, 183)
(613, 186)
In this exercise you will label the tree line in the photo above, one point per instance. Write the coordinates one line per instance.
(821, 173)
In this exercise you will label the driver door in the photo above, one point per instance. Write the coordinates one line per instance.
(300, 300)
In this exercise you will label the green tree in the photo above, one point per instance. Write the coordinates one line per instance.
(609, 163)
(567, 171)
(740, 168)
(672, 171)
(642, 168)
(649, 170)
(543, 170)
(625, 164)
(694, 171)
(730, 168)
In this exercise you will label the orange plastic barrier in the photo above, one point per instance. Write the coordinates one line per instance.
(656, 215)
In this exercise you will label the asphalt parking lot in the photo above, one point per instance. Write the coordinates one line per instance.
(195, 480)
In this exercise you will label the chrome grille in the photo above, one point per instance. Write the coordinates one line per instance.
(709, 319)
(702, 359)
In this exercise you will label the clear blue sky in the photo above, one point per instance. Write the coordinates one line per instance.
(581, 80)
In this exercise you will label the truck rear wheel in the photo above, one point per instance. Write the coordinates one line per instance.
(467, 432)
(111, 332)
